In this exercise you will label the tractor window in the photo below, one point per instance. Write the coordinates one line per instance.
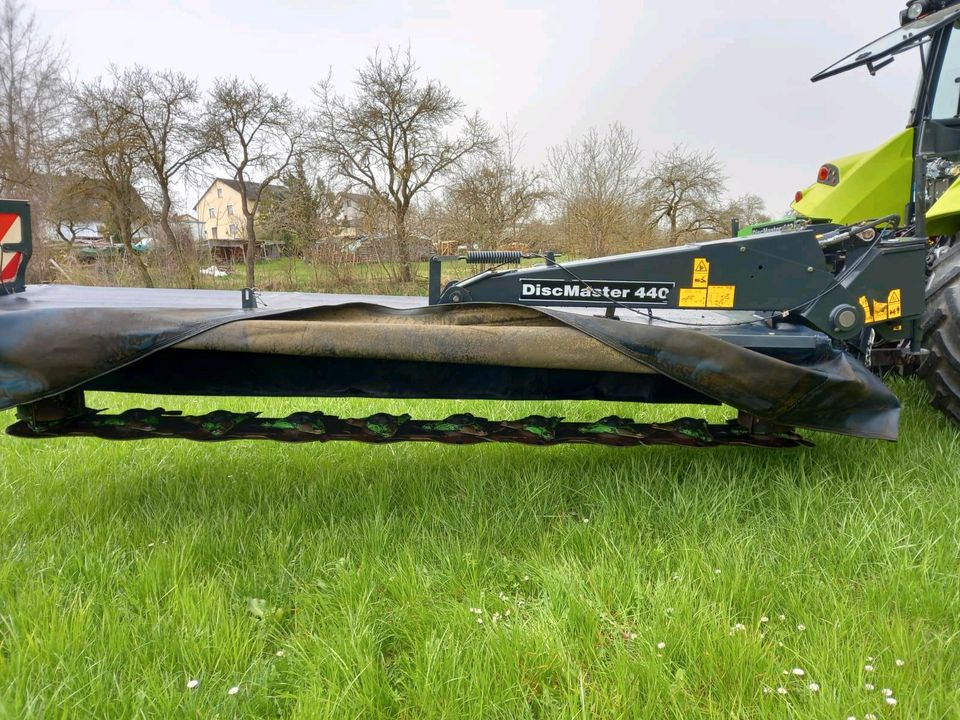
(882, 50)
(946, 98)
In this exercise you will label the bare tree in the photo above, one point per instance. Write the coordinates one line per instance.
(163, 110)
(253, 132)
(32, 93)
(70, 203)
(682, 189)
(101, 147)
(491, 201)
(393, 139)
(596, 185)
(746, 210)
(304, 217)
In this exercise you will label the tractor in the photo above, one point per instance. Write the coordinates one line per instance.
(790, 323)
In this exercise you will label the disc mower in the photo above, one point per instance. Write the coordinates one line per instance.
(788, 322)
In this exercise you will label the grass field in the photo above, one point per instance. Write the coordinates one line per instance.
(346, 581)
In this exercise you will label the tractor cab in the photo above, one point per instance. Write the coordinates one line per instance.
(915, 173)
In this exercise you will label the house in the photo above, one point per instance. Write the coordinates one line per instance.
(352, 208)
(193, 226)
(220, 212)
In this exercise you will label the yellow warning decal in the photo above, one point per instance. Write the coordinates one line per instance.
(894, 308)
(693, 297)
(721, 296)
(701, 272)
(703, 294)
(879, 311)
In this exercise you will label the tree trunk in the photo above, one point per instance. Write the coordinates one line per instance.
(126, 237)
(403, 249)
(175, 247)
(251, 246)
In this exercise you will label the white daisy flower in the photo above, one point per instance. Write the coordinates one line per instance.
(868, 668)
(279, 653)
(798, 672)
(891, 701)
(814, 687)
(716, 571)
(661, 645)
(782, 690)
(899, 663)
(887, 692)
(868, 686)
(801, 627)
(233, 691)
(764, 619)
(192, 683)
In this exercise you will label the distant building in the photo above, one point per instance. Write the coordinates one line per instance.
(351, 211)
(193, 225)
(223, 227)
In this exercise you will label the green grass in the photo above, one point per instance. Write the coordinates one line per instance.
(128, 569)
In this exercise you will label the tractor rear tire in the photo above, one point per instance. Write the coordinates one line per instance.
(941, 333)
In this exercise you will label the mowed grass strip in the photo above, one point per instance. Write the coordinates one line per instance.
(349, 581)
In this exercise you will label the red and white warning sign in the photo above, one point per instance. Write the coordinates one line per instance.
(10, 234)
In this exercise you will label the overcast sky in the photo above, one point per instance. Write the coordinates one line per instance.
(722, 75)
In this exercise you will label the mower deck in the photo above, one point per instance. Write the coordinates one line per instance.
(61, 338)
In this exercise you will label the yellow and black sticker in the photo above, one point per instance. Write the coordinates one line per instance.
(693, 297)
(703, 294)
(878, 311)
(721, 296)
(701, 272)
(894, 308)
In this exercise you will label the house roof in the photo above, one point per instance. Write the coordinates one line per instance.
(253, 188)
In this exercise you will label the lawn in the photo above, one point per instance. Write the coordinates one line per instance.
(348, 581)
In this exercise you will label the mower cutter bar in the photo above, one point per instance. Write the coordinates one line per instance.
(465, 429)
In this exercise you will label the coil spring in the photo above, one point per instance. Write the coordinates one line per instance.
(494, 257)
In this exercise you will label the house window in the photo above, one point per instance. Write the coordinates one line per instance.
(229, 209)
(233, 228)
(212, 213)
(214, 231)
(219, 192)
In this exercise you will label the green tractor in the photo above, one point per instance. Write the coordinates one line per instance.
(914, 174)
